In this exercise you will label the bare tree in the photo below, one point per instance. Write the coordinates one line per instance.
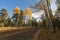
(45, 5)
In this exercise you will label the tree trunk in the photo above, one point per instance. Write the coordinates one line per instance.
(50, 15)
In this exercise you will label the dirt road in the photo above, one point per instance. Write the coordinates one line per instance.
(27, 34)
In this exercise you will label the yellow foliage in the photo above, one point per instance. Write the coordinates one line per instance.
(16, 10)
(28, 11)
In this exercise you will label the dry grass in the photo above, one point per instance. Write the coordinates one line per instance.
(11, 28)
(8, 30)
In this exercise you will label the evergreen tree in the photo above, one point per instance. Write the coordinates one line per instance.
(21, 19)
(3, 15)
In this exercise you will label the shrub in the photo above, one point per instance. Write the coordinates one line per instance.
(1, 24)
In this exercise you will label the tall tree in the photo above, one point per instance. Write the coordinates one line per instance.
(57, 14)
(21, 19)
(15, 18)
(45, 5)
(3, 15)
(8, 22)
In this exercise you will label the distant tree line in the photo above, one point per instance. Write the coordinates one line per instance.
(17, 20)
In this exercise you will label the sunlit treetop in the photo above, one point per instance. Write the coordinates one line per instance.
(27, 11)
(16, 10)
(4, 10)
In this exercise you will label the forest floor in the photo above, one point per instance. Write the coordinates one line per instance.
(46, 34)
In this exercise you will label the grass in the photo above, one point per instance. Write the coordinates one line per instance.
(8, 30)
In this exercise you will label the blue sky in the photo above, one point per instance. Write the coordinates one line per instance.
(22, 4)
(11, 4)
